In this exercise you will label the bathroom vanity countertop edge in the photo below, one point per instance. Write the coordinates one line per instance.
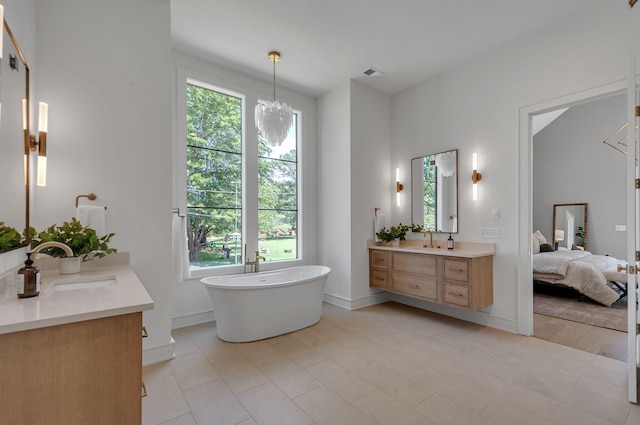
(52, 308)
(464, 249)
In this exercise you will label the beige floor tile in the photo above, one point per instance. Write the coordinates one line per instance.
(511, 393)
(634, 414)
(247, 422)
(290, 378)
(384, 409)
(389, 357)
(259, 351)
(156, 371)
(185, 347)
(567, 415)
(299, 352)
(394, 384)
(602, 389)
(343, 382)
(182, 420)
(164, 401)
(213, 403)
(604, 408)
(240, 374)
(215, 349)
(346, 338)
(192, 370)
(445, 412)
(326, 408)
(344, 356)
(453, 389)
(310, 336)
(587, 368)
(270, 406)
(508, 414)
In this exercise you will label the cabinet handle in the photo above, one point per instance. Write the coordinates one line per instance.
(144, 389)
(415, 286)
(455, 295)
(144, 332)
(455, 270)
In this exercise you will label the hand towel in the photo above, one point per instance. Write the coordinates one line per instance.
(92, 216)
(380, 222)
(181, 265)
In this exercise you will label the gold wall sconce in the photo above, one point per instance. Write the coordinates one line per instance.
(475, 176)
(39, 144)
(399, 187)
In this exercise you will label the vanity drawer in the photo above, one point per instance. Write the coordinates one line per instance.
(456, 294)
(379, 279)
(424, 265)
(456, 269)
(379, 259)
(423, 288)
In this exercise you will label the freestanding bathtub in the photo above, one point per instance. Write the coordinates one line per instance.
(250, 307)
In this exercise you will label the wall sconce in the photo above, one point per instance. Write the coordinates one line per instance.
(399, 187)
(41, 143)
(475, 176)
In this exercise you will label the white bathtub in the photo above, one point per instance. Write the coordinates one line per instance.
(250, 307)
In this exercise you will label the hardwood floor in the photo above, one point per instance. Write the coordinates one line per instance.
(593, 339)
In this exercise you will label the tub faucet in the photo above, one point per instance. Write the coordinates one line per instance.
(255, 264)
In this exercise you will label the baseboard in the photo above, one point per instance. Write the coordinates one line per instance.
(191, 319)
(348, 304)
(158, 353)
(479, 317)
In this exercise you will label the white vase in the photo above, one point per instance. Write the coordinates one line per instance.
(70, 265)
(395, 242)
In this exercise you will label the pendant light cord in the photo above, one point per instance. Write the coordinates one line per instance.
(274, 80)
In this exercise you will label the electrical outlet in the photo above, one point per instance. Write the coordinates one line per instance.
(621, 227)
(495, 214)
(490, 233)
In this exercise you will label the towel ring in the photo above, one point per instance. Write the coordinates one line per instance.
(91, 196)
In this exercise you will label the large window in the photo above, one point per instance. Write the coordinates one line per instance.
(214, 176)
(217, 171)
(278, 197)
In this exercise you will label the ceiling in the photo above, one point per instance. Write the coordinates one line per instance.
(327, 42)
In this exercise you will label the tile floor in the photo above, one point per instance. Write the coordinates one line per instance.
(388, 364)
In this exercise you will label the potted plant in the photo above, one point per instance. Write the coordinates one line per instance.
(82, 240)
(394, 234)
(10, 238)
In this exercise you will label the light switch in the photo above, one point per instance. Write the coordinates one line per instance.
(495, 214)
(621, 227)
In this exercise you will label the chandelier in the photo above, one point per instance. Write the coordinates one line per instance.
(273, 119)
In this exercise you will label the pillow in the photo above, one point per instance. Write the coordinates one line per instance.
(535, 245)
(545, 247)
(540, 237)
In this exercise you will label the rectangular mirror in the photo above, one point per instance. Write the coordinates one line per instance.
(434, 191)
(570, 226)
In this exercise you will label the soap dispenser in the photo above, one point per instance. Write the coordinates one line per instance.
(450, 242)
(28, 279)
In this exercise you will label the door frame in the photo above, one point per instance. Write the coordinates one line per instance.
(525, 190)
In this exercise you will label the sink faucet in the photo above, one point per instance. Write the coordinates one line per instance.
(430, 232)
(50, 244)
(255, 264)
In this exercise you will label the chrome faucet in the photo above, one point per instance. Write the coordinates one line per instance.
(255, 264)
(430, 232)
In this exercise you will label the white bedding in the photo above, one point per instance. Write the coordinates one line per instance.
(580, 270)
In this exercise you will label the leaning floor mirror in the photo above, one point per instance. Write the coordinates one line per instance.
(570, 226)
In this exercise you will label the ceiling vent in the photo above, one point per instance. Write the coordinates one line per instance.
(372, 72)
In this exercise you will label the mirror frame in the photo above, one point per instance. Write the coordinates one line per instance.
(586, 220)
(26, 132)
(457, 209)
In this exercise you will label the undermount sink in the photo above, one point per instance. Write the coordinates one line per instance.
(83, 282)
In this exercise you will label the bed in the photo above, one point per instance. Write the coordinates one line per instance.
(583, 271)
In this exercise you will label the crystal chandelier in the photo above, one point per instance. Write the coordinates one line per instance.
(273, 119)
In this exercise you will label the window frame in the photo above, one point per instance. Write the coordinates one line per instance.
(250, 96)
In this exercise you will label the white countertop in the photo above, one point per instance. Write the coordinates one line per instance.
(462, 249)
(53, 307)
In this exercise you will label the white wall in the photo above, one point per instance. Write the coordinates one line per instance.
(105, 70)
(191, 303)
(571, 164)
(475, 108)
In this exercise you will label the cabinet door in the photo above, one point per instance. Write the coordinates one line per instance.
(456, 269)
(378, 279)
(456, 294)
(415, 286)
(418, 264)
(379, 259)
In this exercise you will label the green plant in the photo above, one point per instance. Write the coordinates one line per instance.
(82, 240)
(10, 238)
(394, 232)
(580, 232)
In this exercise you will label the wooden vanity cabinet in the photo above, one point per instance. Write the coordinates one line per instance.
(462, 282)
(87, 372)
